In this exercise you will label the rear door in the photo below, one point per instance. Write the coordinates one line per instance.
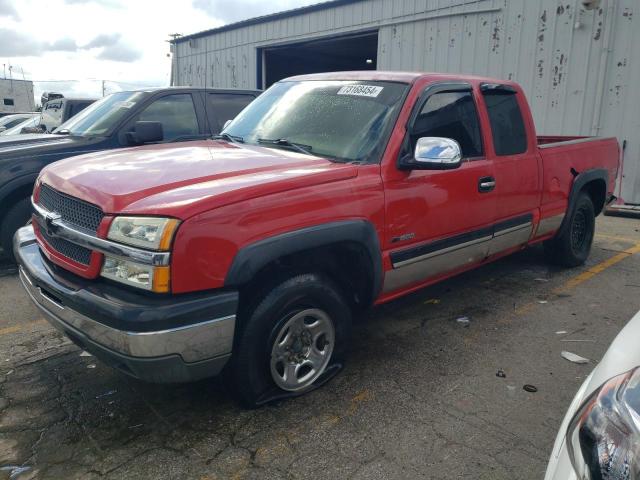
(222, 107)
(440, 220)
(516, 165)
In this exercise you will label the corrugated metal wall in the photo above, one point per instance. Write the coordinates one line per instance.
(579, 68)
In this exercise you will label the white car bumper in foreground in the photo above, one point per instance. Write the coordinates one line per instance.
(622, 356)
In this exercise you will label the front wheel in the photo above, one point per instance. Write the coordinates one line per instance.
(291, 342)
(17, 216)
(573, 246)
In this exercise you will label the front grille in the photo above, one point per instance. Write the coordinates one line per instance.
(73, 211)
(70, 250)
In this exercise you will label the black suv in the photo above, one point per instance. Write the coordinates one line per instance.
(122, 119)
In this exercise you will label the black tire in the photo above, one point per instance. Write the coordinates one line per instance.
(249, 372)
(17, 216)
(572, 248)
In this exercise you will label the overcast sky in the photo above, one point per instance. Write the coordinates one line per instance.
(115, 40)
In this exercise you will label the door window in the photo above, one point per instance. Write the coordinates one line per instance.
(450, 115)
(507, 126)
(176, 113)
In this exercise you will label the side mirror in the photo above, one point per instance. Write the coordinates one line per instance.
(226, 124)
(146, 132)
(434, 153)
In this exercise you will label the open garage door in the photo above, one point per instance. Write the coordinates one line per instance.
(353, 52)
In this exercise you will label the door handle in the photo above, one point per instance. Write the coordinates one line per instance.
(486, 184)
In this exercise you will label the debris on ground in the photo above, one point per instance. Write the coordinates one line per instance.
(84, 353)
(91, 365)
(543, 301)
(106, 394)
(541, 279)
(530, 388)
(464, 321)
(13, 471)
(432, 301)
(136, 426)
(561, 332)
(500, 374)
(572, 357)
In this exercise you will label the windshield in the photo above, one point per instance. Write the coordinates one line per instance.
(32, 122)
(99, 117)
(344, 120)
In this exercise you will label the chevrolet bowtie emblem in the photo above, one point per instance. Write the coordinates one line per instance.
(49, 218)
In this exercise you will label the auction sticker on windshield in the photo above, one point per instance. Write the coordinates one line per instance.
(360, 90)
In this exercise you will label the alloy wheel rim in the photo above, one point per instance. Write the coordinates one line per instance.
(302, 349)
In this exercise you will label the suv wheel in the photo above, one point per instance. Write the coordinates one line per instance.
(17, 216)
(291, 342)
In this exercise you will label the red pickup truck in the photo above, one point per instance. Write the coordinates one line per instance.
(248, 254)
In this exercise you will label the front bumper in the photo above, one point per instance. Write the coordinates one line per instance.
(156, 338)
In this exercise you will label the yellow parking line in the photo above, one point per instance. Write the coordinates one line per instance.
(22, 327)
(617, 237)
(577, 280)
(596, 269)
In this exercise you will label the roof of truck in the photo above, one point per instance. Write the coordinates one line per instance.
(405, 77)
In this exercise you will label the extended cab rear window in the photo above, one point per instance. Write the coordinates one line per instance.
(507, 125)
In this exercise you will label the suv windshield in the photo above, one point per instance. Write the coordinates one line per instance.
(343, 120)
(99, 117)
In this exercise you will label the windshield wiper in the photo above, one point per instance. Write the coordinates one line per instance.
(306, 149)
(229, 138)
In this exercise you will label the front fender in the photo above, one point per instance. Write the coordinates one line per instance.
(252, 258)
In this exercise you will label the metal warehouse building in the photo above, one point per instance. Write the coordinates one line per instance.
(16, 96)
(575, 59)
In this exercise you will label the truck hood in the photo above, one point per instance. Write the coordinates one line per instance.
(27, 145)
(185, 179)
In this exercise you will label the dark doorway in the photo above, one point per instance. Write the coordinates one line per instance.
(353, 52)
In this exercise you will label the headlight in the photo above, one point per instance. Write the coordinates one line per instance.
(152, 233)
(151, 278)
(603, 438)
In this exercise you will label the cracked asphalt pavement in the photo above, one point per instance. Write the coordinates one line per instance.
(419, 397)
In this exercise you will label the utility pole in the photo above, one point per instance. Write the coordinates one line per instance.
(172, 54)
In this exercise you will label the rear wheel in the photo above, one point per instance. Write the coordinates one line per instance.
(573, 246)
(17, 216)
(291, 342)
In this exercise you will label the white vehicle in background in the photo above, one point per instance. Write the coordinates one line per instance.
(57, 111)
(600, 435)
(29, 125)
(9, 121)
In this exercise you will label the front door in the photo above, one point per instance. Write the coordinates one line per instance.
(440, 221)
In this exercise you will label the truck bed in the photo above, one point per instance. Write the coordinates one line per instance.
(565, 157)
(551, 139)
